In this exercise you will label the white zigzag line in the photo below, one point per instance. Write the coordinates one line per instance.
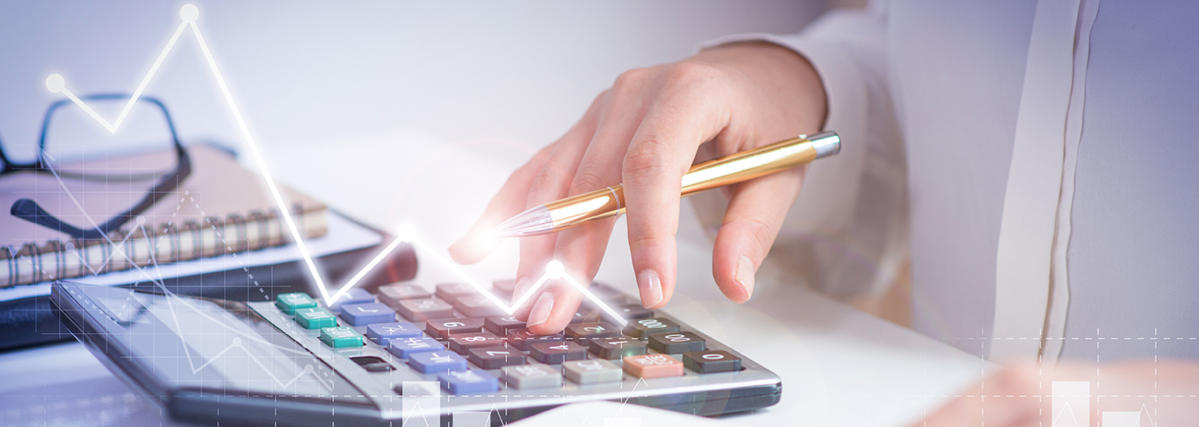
(554, 269)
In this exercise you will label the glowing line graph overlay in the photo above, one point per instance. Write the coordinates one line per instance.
(188, 15)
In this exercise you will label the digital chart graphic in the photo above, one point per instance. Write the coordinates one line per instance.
(188, 15)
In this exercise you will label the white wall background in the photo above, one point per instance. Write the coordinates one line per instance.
(315, 72)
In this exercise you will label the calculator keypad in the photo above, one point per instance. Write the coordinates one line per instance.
(458, 337)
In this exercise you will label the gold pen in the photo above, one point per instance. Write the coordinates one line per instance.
(727, 170)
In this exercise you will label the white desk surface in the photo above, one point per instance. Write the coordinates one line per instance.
(839, 366)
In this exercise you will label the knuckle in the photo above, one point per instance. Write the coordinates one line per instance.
(690, 72)
(762, 233)
(646, 158)
(587, 179)
(630, 78)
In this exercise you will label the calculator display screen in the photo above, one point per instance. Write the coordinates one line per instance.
(212, 345)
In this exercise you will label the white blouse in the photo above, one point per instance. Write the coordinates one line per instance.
(1034, 159)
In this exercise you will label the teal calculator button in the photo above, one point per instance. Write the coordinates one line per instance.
(315, 318)
(290, 301)
(341, 337)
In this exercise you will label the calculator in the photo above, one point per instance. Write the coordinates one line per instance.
(400, 352)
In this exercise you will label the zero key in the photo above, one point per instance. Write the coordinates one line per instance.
(711, 361)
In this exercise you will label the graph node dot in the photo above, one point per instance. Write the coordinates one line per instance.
(189, 12)
(554, 268)
(55, 83)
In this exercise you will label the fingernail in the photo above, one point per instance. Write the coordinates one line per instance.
(745, 275)
(541, 310)
(651, 287)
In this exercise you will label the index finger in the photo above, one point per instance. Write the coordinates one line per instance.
(661, 152)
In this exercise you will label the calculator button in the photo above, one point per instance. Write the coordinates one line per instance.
(442, 328)
(393, 294)
(419, 310)
(532, 376)
(381, 332)
(365, 314)
(617, 348)
(315, 318)
(406, 347)
(460, 343)
(500, 325)
(452, 291)
(607, 292)
(635, 312)
(477, 306)
(711, 361)
(291, 301)
(644, 327)
(557, 352)
(676, 342)
(586, 315)
(653, 366)
(436, 361)
(341, 337)
(504, 287)
(495, 357)
(586, 332)
(373, 364)
(468, 382)
(353, 296)
(521, 338)
(592, 371)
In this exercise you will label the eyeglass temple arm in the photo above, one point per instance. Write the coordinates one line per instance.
(29, 210)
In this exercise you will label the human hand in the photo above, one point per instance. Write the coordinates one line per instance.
(1021, 394)
(645, 132)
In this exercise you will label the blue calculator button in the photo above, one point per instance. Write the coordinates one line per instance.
(469, 382)
(363, 314)
(353, 296)
(436, 361)
(382, 332)
(406, 347)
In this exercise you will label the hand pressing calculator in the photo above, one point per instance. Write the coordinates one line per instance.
(401, 352)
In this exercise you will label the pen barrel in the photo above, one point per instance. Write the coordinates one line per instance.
(734, 168)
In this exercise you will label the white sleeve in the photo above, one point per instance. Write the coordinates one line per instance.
(847, 233)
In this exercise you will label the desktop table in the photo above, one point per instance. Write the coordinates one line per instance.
(839, 366)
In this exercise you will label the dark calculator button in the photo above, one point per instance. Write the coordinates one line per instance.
(711, 361)
(643, 327)
(495, 357)
(442, 328)
(460, 343)
(557, 352)
(521, 338)
(585, 332)
(676, 342)
(418, 310)
(500, 325)
(452, 291)
(477, 306)
(634, 312)
(373, 364)
(586, 315)
(617, 348)
(607, 292)
(504, 287)
(394, 293)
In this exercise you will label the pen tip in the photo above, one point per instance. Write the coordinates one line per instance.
(533, 221)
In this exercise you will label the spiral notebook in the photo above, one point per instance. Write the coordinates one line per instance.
(221, 208)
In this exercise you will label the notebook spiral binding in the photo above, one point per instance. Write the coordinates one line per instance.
(145, 246)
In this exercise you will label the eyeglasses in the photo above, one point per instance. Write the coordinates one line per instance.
(30, 210)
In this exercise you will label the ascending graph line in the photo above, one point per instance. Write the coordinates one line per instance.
(188, 15)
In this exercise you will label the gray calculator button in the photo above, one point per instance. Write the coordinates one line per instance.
(532, 376)
(477, 306)
(592, 371)
(424, 309)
